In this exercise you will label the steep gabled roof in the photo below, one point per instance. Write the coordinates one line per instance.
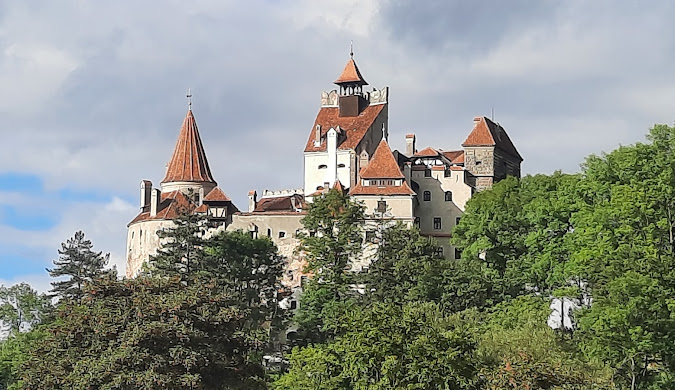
(188, 162)
(487, 133)
(354, 128)
(351, 74)
(383, 165)
(217, 195)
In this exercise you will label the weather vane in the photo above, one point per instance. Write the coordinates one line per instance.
(189, 97)
(351, 49)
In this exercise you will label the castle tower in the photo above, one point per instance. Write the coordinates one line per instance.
(188, 186)
(188, 169)
(489, 154)
(347, 130)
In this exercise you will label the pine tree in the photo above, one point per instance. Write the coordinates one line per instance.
(182, 251)
(81, 264)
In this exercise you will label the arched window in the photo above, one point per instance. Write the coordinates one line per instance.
(323, 166)
(427, 196)
(448, 196)
(341, 165)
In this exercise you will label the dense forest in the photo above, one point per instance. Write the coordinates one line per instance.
(566, 281)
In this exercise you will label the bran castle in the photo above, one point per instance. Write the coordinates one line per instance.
(346, 149)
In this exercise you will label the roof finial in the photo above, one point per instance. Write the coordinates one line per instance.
(189, 97)
(351, 49)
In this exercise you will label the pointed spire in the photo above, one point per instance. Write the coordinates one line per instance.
(188, 163)
(351, 74)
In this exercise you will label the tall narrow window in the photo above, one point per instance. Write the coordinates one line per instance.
(448, 196)
(381, 206)
(458, 254)
(457, 221)
(439, 251)
(427, 196)
(427, 172)
(437, 223)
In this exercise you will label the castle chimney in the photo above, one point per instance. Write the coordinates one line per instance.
(146, 188)
(410, 144)
(154, 201)
(477, 119)
(200, 201)
(252, 200)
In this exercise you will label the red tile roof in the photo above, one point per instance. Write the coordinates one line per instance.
(454, 156)
(354, 128)
(171, 205)
(202, 209)
(188, 162)
(487, 133)
(217, 195)
(280, 203)
(383, 165)
(351, 74)
(456, 168)
(403, 189)
(427, 152)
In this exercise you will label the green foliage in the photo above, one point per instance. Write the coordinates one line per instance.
(149, 333)
(388, 346)
(80, 265)
(182, 253)
(405, 268)
(13, 354)
(520, 351)
(335, 224)
(21, 308)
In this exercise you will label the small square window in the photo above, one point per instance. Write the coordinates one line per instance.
(437, 223)
(294, 305)
(381, 206)
(282, 234)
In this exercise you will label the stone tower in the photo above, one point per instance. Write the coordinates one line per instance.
(489, 154)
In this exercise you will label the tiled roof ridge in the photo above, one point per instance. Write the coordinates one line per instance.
(188, 162)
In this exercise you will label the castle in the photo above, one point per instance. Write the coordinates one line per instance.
(347, 149)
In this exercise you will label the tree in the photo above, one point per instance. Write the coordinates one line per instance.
(519, 351)
(182, 248)
(13, 354)
(21, 308)
(335, 238)
(406, 268)
(80, 264)
(148, 333)
(389, 346)
(624, 252)
(251, 270)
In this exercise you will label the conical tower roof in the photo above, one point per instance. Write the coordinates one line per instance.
(188, 163)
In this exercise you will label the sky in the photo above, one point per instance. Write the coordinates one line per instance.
(93, 93)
